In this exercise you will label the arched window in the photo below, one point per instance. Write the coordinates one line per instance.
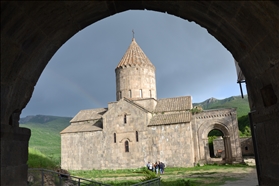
(114, 136)
(140, 93)
(150, 93)
(137, 136)
(126, 146)
(125, 118)
(120, 95)
(130, 93)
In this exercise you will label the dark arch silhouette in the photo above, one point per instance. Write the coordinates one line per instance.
(137, 136)
(126, 146)
(212, 148)
(228, 135)
(31, 32)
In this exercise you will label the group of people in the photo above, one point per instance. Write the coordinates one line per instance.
(156, 167)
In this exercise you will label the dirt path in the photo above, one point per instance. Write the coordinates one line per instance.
(249, 179)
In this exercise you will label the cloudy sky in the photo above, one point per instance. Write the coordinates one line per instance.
(188, 61)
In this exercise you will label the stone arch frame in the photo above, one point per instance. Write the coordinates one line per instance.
(125, 139)
(231, 145)
(247, 29)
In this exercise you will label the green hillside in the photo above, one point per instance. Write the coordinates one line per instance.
(238, 102)
(45, 133)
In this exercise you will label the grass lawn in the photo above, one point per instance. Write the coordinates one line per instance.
(213, 175)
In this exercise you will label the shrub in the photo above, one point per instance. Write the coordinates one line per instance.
(196, 110)
(148, 175)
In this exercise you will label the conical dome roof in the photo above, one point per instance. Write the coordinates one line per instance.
(134, 56)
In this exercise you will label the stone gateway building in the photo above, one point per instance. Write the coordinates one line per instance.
(138, 127)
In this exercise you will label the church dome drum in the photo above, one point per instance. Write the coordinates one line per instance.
(135, 75)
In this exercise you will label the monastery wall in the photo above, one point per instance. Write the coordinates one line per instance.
(115, 156)
(247, 146)
(82, 150)
(171, 144)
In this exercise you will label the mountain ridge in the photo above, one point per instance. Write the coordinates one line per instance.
(238, 102)
(42, 119)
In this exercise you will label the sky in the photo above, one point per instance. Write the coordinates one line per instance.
(81, 74)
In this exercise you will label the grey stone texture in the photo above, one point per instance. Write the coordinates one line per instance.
(247, 146)
(32, 32)
(218, 144)
(246, 143)
(224, 120)
(152, 130)
(182, 144)
(14, 141)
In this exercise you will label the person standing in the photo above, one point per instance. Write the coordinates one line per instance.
(162, 167)
(157, 167)
(149, 166)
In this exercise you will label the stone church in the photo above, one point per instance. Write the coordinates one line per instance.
(138, 127)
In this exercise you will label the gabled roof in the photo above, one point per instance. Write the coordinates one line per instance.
(129, 101)
(84, 127)
(168, 119)
(174, 104)
(90, 114)
(135, 104)
(134, 56)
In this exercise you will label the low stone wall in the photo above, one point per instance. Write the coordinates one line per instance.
(218, 146)
(247, 147)
(246, 143)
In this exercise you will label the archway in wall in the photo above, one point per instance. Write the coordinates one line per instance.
(31, 32)
(216, 145)
(204, 148)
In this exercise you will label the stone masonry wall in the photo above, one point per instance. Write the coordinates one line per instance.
(224, 120)
(82, 150)
(171, 144)
(247, 147)
(135, 78)
(218, 144)
(115, 156)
